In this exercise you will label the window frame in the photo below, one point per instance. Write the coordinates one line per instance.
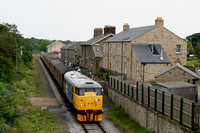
(178, 48)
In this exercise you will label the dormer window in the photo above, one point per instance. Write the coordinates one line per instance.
(153, 49)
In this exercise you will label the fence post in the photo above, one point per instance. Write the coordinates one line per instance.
(181, 110)
(114, 83)
(121, 86)
(132, 92)
(192, 117)
(155, 104)
(172, 97)
(108, 79)
(128, 90)
(117, 84)
(124, 88)
(142, 93)
(148, 96)
(163, 102)
(137, 91)
(111, 81)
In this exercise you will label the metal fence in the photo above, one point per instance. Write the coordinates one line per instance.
(184, 111)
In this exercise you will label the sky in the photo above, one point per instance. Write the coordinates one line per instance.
(75, 20)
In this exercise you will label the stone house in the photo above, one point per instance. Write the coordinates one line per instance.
(55, 46)
(147, 60)
(68, 52)
(178, 72)
(92, 50)
(119, 50)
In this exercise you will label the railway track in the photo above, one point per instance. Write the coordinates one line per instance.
(93, 127)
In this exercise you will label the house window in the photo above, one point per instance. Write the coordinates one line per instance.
(106, 49)
(116, 66)
(125, 67)
(178, 48)
(116, 49)
(125, 49)
(106, 62)
(110, 48)
(137, 66)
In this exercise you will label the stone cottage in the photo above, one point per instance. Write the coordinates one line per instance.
(92, 50)
(68, 52)
(55, 46)
(119, 49)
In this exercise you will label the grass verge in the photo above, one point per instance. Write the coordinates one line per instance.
(192, 62)
(119, 115)
(17, 114)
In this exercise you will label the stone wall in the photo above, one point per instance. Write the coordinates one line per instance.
(176, 74)
(147, 118)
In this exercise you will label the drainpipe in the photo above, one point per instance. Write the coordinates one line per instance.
(143, 70)
(108, 60)
(122, 61)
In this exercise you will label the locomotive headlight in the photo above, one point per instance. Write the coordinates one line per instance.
(96, 100)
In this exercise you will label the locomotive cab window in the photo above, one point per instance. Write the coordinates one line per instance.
(81, 91)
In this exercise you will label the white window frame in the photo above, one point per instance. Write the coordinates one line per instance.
(116, 49)
(178, 48)
(110, 48)
(125, 50)
(116, 66)
(106, 61)
(125, 67)
(106, 49)
(137, 66)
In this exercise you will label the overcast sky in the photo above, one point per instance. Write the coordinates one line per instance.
(75, 20)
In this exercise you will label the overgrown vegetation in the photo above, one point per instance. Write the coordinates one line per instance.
(17, 82)
(193, 44)
(192, 62)
(122, 118)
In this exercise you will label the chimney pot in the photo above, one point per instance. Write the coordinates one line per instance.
(159, 22)
(126, 26)
(98, 31)
(109, 30)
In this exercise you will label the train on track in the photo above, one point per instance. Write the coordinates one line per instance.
(83, 93)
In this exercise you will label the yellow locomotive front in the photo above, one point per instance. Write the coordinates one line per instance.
(88, 102)
(85, 94)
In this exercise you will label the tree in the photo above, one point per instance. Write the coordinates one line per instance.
(197, 50)
(190, 48)
(44, 44)
(194, 39)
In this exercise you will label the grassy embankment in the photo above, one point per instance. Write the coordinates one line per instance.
(192, 62)
(17, 114)
(122, 118)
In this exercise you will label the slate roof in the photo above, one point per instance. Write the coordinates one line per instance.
(96, 39)
(145, 54)
(181, 67)
(72, 46)
(179, 88)
(97, 50)
(53, 43)
(176, 85)
(130, 34)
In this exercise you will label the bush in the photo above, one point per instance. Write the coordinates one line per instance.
(8, 103)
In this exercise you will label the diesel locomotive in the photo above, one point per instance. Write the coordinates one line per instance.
(83, 93)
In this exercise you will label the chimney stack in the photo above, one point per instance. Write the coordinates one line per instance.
(98, 32)
(109, 29)
(159, 22)
(126, 26)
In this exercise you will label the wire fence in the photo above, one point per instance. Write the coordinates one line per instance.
(184, 111)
